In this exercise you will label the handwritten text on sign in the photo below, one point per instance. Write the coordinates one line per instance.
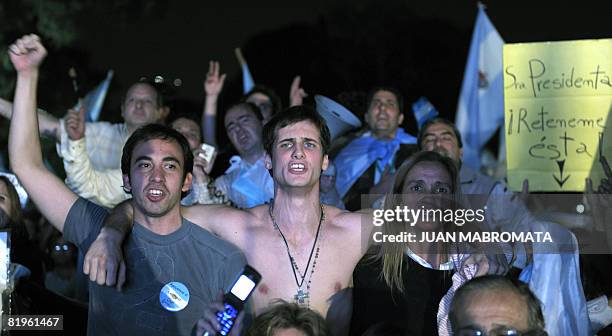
(557, 98)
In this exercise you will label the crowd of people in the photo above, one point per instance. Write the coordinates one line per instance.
(140, 215)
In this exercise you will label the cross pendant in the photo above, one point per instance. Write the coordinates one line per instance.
(301, 297)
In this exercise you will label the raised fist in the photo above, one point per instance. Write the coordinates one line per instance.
(27, 53)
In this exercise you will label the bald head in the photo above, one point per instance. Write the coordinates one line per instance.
(493, 303)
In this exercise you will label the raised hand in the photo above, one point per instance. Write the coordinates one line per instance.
(27, 53)
(605, 187)
(482, 264)
(213, 85)
(524, 194)
(201, 167)
(599, 200)
(297, 93)
(75, 123)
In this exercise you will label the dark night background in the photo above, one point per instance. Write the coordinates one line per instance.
(336, 46)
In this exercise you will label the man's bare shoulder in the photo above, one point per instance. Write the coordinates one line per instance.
(203, 215)
(348, 219)
(351, 231)
(259, 215)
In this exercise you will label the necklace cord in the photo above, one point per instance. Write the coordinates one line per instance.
(294, 266)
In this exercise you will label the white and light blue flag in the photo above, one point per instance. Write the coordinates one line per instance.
(480, 111)
(423, 111)
(94, 99)
(247, 79)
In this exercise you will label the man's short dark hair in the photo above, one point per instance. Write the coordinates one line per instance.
(394, 91)
(291, 116)
(156, 132)
(268, 92)
(283, 315)
(497, 283)
(444, 121)
(249, 106)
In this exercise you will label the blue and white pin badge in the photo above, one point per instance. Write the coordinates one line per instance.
(174, 296)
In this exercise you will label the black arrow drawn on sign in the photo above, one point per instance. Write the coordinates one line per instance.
(560, 180)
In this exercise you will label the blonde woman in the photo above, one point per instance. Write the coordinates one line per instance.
(404, 283)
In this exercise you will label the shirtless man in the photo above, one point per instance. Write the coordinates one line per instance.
(324, 242)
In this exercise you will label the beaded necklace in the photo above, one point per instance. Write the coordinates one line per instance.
(301, 297)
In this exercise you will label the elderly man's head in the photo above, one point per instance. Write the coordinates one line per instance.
(142, 105)
(495, 305)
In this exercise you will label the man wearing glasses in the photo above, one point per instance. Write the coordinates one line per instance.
(493, 305)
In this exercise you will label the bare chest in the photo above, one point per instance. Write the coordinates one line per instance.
(315, 275)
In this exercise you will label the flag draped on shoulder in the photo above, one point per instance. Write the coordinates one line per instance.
(364, 151)
(480, 110)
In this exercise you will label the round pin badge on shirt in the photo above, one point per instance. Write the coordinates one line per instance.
(174, 296)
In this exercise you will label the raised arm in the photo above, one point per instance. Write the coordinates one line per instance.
(600, 202)
(101, 187)
(213, 87)
(48, 125)
(296, 92)
(6, 108)
(49, 193)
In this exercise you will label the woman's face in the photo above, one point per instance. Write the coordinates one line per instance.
(6, 203)
(427, 186)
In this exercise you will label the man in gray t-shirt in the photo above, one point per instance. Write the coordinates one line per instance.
(189, 256)
(175, 267)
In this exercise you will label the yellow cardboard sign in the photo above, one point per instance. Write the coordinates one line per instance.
(557, 99)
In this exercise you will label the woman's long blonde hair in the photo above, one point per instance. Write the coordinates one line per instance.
(392, 254)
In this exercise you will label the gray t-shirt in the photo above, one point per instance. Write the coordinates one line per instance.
(191, 256)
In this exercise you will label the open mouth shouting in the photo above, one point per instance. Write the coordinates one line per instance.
(243, 138)
(297, 168)
(155, 194)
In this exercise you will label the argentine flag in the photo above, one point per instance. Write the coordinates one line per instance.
(423, 111)
(480, 111)
(247, 80)
(94, 99)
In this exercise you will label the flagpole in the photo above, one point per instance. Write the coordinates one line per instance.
(247, 80)
(239, 56)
